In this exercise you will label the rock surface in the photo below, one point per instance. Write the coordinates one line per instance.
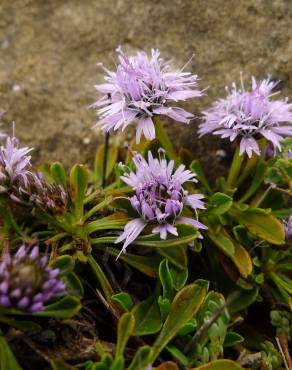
(49, 50)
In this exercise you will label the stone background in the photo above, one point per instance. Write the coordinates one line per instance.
(49, 50)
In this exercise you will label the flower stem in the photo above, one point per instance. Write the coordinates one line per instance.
(164, 138)
(235, 168)
(105, 155)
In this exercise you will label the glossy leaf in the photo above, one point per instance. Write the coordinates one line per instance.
(242, 260)
(73, 285)
(58, 173)
(166, 279)
(147, 316)
(147, 264)
(184, 306)
(223, 242)
(232, 339)
(176, 255)
(64, 308)
(261, 224)
(246, 298)
(116, 221)
(124, 300)
(219, 204)
(126, 326)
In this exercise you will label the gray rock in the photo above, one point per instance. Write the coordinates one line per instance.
(50, 49)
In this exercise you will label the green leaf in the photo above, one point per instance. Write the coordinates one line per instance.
(222, 241)
(246, 298)
(58, 173)
(124, 300)
(64, 263)
(176, 353)
(140, 358)
(147, 316)
(258, 179)
(232, 339)
(261, 224)
(184, 306)
(126, 327)
(64, 308)
(219, 204)
(220, 365)
(163, 137)
(176, 255)
(7, 359)
(78, 186)
(116, 221)
(112, 156)
(165, 279)
(242, 260)
(179, 276)
(147, 264)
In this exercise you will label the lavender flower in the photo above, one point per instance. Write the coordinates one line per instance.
(27, 282)
(160, 197)
(288, 229)
(140, 88)
(249, 115)
(14, 165)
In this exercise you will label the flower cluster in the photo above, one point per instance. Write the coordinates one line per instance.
(140, 88)
(51, 197)
(27, 282)
(250, 115)
(22, 184)
(159, 197)
(15, 167)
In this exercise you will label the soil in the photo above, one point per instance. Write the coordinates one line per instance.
(50, 48)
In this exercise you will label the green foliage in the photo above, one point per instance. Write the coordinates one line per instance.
(183, 302)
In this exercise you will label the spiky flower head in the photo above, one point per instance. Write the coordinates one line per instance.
(140, 88)
(51, 197)
(159, 197)
(250, 115)
(26, 280)
(15, 167)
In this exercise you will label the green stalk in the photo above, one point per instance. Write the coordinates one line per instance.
(164, 138)
(235, 169)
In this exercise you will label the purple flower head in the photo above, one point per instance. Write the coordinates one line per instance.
(26, 280)
(159, 197)
(51, 197)
(288, 229)
(140, 88)
(14, 165)
(250, 115)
